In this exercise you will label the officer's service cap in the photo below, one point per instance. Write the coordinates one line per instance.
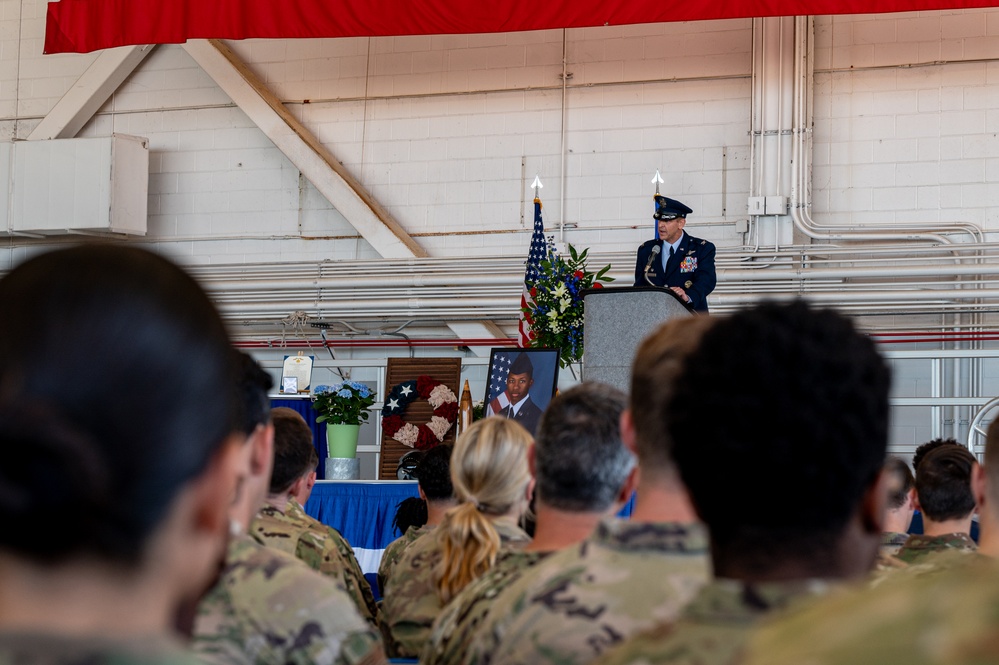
(667, 208)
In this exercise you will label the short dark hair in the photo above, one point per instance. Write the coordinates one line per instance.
(293, 449)
(656, 364)
(943, 483)
(778, 401)
(900, 481)
(923, 450)
(411, 511)
(433, 473)
(581, 462)
(254, 407)
(100, 433)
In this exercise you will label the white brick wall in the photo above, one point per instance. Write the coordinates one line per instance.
(883, 134)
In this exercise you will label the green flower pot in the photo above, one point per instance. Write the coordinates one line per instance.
(341, 440)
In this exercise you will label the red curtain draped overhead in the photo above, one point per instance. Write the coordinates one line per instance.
(79, 26)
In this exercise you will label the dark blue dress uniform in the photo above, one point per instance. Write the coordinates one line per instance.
(692, 266)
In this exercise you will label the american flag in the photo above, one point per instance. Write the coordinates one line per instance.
(497, 384)
(538, 251)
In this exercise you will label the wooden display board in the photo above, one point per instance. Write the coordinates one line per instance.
(445, 370)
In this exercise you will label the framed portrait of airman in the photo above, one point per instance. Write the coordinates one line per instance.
(520, 384)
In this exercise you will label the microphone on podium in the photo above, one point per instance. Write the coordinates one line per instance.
(648, 264)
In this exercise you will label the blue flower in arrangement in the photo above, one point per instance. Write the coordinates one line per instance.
(343, 392)
(319, 390)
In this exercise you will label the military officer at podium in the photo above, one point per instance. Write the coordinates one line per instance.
(684, 264)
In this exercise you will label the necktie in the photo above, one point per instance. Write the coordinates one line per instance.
(669, 258)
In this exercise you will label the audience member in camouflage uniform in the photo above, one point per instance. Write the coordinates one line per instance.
(283, 525)
(831, 387)
(948, 617)
(944, 496)
(394, 551)
(271, 608)
(629, 574)
(433, 475)
(357, 584)
(493, 483)
(119, 462)
(583, 473)
(901, 504)
(267, 606)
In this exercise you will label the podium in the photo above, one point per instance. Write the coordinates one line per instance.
(615, 321)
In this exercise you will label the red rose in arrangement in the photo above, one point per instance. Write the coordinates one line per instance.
(392, 424)
(447, 410)
(424, 384)
(426, 438)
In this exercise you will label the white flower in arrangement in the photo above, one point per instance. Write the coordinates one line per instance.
(408, 435)
(439, 426)
(553, 315)
(559, 291)
(441, 395)
(564, 304)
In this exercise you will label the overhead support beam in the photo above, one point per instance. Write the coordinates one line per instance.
(94, 87)
(477, 330)
(298, 144)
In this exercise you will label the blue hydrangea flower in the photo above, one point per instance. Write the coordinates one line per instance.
(364, 391)
(343, 392)
(319, 390)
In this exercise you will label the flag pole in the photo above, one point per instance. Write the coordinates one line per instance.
(657, 180)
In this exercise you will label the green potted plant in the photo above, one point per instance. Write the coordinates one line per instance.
(343, 407)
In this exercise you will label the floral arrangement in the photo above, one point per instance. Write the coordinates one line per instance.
(429, 434)
(345, 403)
(556, 316)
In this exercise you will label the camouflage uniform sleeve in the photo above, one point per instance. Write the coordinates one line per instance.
(390, 557)
(323, 555)
(577, 605)
(270, 608)
(946, 616)
(357, 584)
(464, 616)
(411, 602)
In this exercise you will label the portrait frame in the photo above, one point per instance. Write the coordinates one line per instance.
(544, 374)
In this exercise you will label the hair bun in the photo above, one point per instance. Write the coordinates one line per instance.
(52, 479)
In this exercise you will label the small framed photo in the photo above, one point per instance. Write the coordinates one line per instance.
(521, 383)
(289, 384)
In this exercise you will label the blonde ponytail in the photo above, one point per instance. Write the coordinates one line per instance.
(490, 474)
